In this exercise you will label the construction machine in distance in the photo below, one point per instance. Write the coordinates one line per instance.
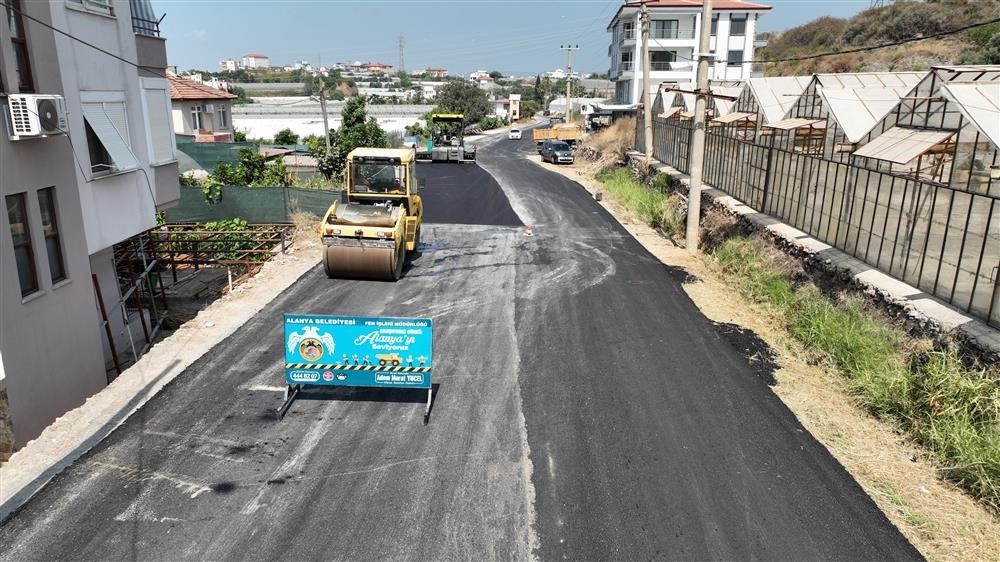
(447, 142)
(369, 235)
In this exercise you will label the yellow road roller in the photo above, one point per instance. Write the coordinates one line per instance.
(369, 235)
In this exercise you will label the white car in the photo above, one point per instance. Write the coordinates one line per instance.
(514, 134)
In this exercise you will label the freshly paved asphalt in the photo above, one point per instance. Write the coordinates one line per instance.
(587, 410)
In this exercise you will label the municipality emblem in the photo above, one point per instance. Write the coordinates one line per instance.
(310, 344)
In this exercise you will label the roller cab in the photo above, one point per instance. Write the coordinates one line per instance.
(369, 235)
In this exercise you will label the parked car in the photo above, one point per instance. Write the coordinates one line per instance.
(514, 134)
(556, 151)
(410, 141)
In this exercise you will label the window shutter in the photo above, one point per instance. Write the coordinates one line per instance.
(107, 119)
(161, 131)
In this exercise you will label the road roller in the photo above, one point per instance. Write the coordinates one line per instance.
(368, 233)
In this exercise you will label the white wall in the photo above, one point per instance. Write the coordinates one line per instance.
(119, 206)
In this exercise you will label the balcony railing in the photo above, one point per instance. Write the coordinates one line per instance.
(660, 66)
(144, 20)
(671, 34)
(144, 26)
(626, 65)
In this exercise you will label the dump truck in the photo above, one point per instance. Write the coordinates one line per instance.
(447, 142)
(571, 134)
(369, 232)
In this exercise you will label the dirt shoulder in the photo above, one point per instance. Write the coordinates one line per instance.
(939, 519)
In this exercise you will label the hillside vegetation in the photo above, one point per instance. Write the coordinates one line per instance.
(900, 20)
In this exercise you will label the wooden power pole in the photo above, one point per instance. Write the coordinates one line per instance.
(569, 79)
(698, 135)
(647, 96)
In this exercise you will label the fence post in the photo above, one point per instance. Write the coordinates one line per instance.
(767, 180)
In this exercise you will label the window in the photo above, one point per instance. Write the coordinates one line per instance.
(96, 6)
(50, 228)
(196, 121)
(627, 60)
(660, 60)
(24, 256)
(628, 30)
(664, 29)
(735, 58)
(737, 26)
(220, 114)
(160, 131)
(107, 132)
(22, 66)
(715, 24)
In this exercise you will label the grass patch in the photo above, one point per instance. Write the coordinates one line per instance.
(949, 407)
(652, 206)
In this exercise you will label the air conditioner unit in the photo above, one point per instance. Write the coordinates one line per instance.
(31, 115)
(209, 108)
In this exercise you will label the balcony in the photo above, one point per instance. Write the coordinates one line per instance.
(671, 34)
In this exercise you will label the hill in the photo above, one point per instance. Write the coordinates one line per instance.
(894, 22)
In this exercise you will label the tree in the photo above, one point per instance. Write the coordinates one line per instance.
(463, 97)
(529, 108)
(286, 136)
(357, 129)
(496, 75)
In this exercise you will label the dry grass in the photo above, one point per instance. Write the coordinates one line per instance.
(607, 147)
(306, 226)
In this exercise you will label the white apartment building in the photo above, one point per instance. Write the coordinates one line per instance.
(256, 60)
(82, 168)
(228, 65)
(674, 35)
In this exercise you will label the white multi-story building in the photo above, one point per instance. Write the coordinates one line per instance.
(87, 157)
(256, 60)
(228, 65)
(674, 35)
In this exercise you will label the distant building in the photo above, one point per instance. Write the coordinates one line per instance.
(436, 72)
(674, 35)
(376, 68)
(228, 65)
(479, 75)
(256, 60)
(200, 110)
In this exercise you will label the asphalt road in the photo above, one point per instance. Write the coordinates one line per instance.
(585, 410)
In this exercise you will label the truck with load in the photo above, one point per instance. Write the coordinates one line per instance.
(570, 134)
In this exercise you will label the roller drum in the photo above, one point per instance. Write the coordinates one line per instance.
(360, 261)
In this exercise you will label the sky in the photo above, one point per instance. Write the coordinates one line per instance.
(518, 37)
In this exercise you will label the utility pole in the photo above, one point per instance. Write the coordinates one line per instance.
(569, 79)
(647, 103)
(698, 135)
(402, 67)
(326, 121)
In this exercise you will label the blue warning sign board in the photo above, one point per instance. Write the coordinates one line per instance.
(358, 351)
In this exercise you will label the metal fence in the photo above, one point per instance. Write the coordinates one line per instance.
(940, 239)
